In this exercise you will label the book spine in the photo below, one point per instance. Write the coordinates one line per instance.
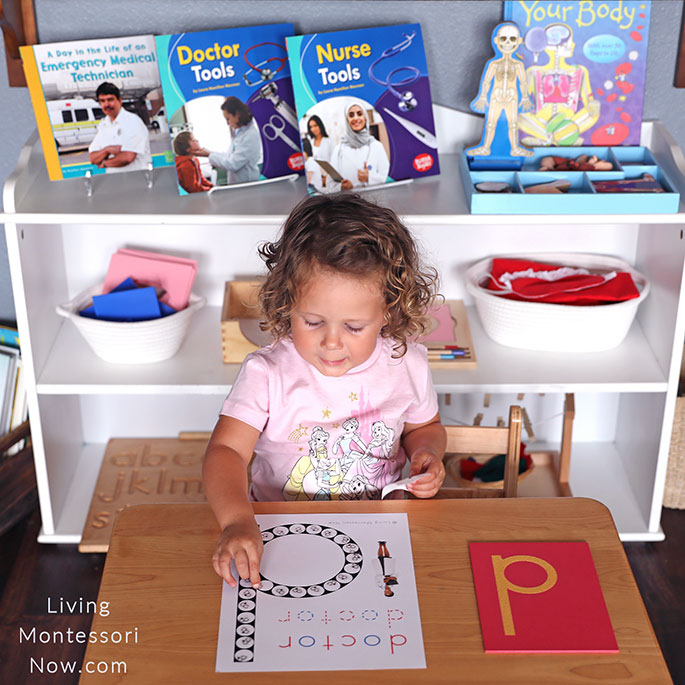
(40, 109)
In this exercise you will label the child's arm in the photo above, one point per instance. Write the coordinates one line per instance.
(224, 476)
(425, 445)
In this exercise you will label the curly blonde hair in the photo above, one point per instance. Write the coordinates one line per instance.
(345, 233)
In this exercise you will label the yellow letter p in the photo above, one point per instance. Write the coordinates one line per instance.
(499, 565)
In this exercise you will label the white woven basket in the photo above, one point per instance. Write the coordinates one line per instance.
(137, 342)
(556, 327)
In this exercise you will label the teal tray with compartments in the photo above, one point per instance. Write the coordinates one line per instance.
(582, 196)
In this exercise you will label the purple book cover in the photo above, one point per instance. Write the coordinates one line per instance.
(364, 107)
(585, 70)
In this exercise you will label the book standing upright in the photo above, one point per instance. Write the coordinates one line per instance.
(74, 121)
(230, 106)
(585, 67)
(367, 92)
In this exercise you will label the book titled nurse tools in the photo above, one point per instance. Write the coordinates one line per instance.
(230, 106)
(364, 106)
(83, 129)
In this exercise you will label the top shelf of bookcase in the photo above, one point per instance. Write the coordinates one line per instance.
(30, 197)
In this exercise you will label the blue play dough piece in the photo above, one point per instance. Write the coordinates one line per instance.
(137, 304)
(128, 284)
(165, 309)
(89, 312)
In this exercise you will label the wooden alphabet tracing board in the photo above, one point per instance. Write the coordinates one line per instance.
(141, 471)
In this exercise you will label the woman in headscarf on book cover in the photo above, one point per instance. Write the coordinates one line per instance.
(359, 158)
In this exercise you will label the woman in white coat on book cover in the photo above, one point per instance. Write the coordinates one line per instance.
(359, 158)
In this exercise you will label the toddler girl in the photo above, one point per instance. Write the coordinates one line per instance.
(334, 407)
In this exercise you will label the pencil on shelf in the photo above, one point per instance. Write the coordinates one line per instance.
(442, 346)
(446, 354)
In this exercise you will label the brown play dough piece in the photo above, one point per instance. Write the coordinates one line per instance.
(553, 187)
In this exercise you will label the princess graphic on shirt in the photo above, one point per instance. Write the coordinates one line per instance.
(358, 487)
(346, 441)
(315, 470)
(367, 474)
(383, 440)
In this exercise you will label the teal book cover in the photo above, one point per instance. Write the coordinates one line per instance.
(230, 106)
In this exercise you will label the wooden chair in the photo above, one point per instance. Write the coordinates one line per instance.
(467, 440)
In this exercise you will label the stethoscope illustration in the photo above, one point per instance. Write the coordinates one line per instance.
(274, 129)
(265, 72)
(407, 101)
(420, 133)
(269, 90)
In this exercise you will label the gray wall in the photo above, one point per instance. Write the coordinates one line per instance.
(456, 33)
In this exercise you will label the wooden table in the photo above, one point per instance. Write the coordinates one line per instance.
(158, 578)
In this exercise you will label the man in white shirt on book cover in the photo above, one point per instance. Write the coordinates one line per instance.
(122, 142)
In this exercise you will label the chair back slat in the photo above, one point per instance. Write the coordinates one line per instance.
(477, 440)
(487, 440)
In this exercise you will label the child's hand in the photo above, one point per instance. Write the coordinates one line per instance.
(242, 542)
(426, 462)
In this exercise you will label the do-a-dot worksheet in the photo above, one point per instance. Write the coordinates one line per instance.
(337, 592)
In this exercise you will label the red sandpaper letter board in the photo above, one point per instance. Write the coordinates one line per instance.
(540, 597)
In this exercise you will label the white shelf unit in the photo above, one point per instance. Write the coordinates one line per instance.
(60, 241)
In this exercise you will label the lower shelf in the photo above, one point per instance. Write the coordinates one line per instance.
(596, 472)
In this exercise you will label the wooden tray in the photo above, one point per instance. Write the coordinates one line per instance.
(240, 311)
(459, 335)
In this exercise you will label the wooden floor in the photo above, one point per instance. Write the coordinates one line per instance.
(31, 573)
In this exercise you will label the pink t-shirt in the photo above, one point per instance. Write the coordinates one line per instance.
(324, 437)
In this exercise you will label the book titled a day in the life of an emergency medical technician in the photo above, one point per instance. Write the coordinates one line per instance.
(98, 105)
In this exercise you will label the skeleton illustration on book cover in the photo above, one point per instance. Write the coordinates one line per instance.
(350, 460)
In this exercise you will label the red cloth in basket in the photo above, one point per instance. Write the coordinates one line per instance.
(525, 280)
